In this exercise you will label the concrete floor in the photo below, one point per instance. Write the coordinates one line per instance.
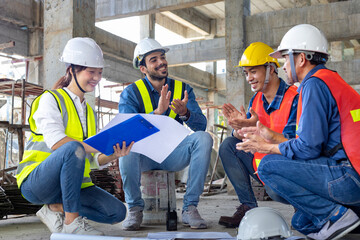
(210, 207)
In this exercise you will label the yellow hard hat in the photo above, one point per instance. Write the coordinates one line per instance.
(257, 54)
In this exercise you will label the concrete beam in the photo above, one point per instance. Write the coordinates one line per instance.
(120, 71)
(16, 12)
(338, 21)
(191, 75)
(199, 51)
(191, 18)
(176, 27)
(111, 9)
(114, 46)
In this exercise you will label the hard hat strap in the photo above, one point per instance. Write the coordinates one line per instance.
(292, 65)
(77, 83)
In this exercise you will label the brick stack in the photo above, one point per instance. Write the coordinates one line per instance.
(259, 191)
(109, 179)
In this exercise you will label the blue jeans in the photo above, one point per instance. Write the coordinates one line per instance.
(238, 166)
(316, 188)
(194, 150)
(58, 180)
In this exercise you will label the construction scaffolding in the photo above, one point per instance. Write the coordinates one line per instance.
(11, 201)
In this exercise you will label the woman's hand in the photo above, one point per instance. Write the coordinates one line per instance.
(121, 151)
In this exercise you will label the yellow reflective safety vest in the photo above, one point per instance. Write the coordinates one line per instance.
(36, 149)
(147, 101)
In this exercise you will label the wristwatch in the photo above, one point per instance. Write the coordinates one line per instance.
(185, 117)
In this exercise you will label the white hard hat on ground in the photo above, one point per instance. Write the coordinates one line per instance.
(263, 223)
(302, 38)
(144, 47)
(83, 52)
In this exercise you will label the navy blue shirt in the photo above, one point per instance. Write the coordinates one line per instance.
(290, 128)
(129, 103)
(319, 125)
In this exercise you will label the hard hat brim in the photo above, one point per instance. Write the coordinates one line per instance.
(276, 54)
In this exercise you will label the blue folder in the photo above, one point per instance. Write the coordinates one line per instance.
(132, 129)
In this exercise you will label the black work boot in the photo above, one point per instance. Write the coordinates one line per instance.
(235, 219)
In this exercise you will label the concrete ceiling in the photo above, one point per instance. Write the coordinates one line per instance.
(202, 21)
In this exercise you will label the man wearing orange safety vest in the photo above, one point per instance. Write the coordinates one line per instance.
(318, 171)
(274, 105)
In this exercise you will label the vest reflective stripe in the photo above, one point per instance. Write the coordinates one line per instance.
(176, 93)
(36, 149)
(145, 96)
(277, 120)
(37, 144)
(298, 112)
(61, 102)
(348, 103)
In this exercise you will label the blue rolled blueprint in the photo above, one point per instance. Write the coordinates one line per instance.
(132, 129)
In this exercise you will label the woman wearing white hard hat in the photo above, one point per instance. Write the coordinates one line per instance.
(55, 170)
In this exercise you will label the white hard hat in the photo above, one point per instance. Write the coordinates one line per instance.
(83, 52)
(144, 47)
(302, 38)
(263, 223)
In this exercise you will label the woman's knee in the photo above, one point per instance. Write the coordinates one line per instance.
(74, 152)
(74, 148)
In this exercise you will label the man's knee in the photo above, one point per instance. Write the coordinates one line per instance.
(129, 160)
(226, 146)
(203, 137)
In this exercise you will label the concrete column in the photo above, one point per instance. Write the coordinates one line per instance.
(212, 94)
(63, 20)
(147, 26)
(237, 90)
(336, 49)
(36, 42)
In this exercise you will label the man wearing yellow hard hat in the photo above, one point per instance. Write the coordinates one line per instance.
(274, 104)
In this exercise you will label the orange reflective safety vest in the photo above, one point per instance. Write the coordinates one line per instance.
(277, 120)
(348, 103)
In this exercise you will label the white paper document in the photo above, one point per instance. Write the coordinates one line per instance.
(157, 146)
(191, 235)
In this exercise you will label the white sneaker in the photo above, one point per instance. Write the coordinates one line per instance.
(81, 226)
(134, 219)
(335, 230)
(192, 218)
(53, 220)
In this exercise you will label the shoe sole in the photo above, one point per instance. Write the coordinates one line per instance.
(228, 225)
(342, 232)
(194, 227)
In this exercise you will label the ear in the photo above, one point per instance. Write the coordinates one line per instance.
(143, 69)
(301, 59)
(272, 69)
